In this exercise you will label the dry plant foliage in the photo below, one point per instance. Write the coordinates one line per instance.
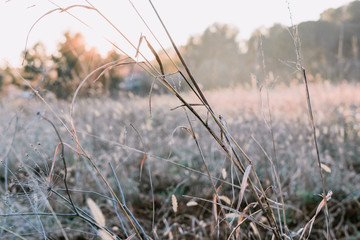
(218, 164)
(96, 212)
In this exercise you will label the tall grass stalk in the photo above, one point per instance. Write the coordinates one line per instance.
(262, 207)
(269, 125)
(300, 67)
(312, 122)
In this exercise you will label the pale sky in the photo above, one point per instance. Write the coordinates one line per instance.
(183, 18)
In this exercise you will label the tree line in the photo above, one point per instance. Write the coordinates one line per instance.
(329, 47)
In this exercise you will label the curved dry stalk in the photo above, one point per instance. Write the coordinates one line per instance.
(312, 220)
(31, 28)
(62, 156)
(91, 7)
(105, 66)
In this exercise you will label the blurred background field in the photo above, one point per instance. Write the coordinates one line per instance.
(107, 130)
(123, 117)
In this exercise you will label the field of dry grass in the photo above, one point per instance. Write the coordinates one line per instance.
(239, 163)
(161, 166)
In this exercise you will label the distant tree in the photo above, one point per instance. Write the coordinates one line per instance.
(1, 79)
(215, 57)
(35, 63)
(348, 13)
(346, 19)
(320, 47)
(73, 62)
(9, 77)
(332, 15)
(270, 48)
(329, 47)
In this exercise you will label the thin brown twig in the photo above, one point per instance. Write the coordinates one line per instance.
(269, 124)
(62, 156)
(312, 122)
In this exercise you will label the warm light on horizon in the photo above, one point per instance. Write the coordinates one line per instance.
(183, 19)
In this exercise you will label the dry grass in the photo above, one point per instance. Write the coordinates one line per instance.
(176, 167)
(202, 165)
